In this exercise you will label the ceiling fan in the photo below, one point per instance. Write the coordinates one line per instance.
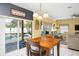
(75, 15)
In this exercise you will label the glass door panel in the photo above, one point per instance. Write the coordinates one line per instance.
(11, 35)
(21, 41)
(27, 30)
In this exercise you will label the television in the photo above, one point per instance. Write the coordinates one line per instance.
(76, 27)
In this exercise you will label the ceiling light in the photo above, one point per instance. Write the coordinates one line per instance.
(69, 7)
(39, 17)
(45, 16)
(35, 15)
(40, 14)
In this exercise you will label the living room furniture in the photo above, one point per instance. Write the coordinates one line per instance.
(33, 49)
(73, 41)
(57, 35)
(36, 50)
(48, 43)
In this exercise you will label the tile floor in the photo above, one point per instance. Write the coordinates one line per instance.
(64, 51)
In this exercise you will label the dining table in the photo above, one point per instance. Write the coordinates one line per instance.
(48, 42)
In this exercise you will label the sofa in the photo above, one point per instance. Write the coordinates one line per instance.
(73, 41)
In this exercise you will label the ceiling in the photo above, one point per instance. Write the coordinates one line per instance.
(54, 10)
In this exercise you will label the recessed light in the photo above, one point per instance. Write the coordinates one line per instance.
(69, 7)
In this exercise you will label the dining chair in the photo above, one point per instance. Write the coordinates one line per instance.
(36, 50)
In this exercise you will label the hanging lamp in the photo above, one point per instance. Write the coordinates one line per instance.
(40, 14)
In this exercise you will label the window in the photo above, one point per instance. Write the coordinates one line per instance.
(63, 28)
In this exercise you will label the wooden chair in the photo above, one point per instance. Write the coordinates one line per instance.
(36, 50)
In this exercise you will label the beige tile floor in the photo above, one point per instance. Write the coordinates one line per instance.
(64, 51)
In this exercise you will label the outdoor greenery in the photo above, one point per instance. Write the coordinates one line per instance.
(14, 24)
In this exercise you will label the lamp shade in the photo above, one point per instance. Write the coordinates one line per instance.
(45, 15)
(35, 15)
(39, 17)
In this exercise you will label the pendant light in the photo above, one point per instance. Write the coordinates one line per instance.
(40, 14)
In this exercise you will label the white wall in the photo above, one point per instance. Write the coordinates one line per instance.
(2, 37)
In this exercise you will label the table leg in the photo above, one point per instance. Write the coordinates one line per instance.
(58, 49)
(27, 49)
(47, 52)
(53, 51)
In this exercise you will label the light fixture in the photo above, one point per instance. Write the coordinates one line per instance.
(69, 7)
(35, 15)
(40, 14)
(39, 17)
(45, 15)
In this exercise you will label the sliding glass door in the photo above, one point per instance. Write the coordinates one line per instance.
(17, 32)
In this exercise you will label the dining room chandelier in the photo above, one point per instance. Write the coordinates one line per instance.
(40, 14)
